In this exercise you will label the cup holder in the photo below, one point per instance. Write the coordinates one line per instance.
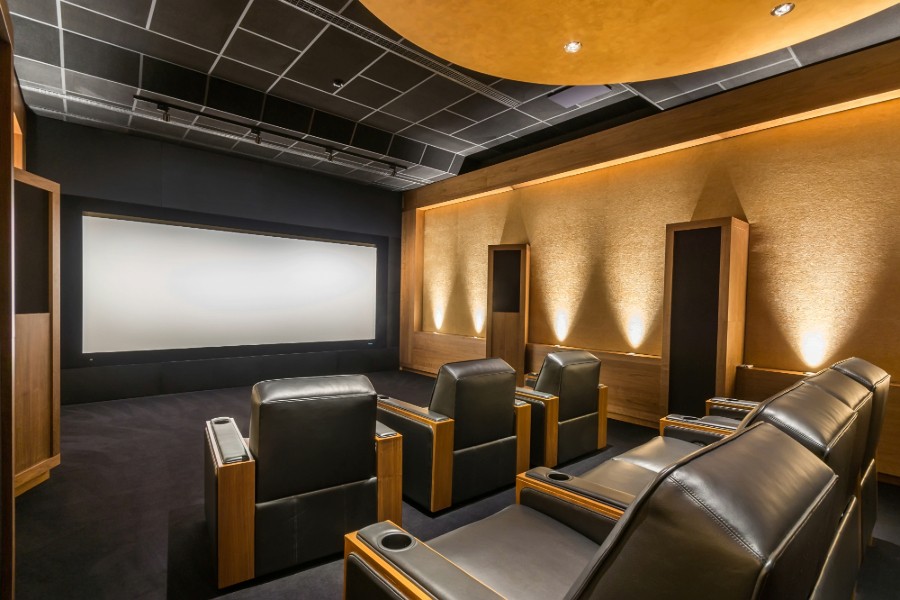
(690, 418)
(557, 476)
(382, 397)
(396, 541)
(221, 421)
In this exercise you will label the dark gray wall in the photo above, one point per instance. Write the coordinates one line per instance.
(106, 165)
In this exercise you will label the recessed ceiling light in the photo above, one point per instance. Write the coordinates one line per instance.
(338, 83)
(782, 9)
(572, 47)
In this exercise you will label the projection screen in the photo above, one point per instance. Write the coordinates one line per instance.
(157, 286)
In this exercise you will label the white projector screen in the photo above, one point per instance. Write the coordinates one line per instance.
(156, 286)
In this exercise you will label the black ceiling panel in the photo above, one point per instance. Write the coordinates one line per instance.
(333, 168)
(358, 13)
(245, 75)
(210, 139)
(690, 96)
(98, 114)
(371, 139)
(36, 40)
(42, 10)
(426, 98)
(335, 55)
(213, 123)
(436, 138)
(174, 81)
(523, 92)
(296, 92)
(478, 107)
(397, 72)
(287, 115)
(406, 149)
(758, 74)
(385, 121)
(37, 102)
(258, 150)
(235, 99)
(39, 73)
(157, 127)
(370, 93)
(437, 158)
(332, 128)
(867, 32)
(203, 23)
(95, 87)
(543, 108)
(254, 50)
(447, 122)
(89, 56)
(133, 11)
(283, 23)
(506, 122)
(81, 21)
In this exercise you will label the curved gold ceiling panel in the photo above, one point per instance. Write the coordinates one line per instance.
(620, 41)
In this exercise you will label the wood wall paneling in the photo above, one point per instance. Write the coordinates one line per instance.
(632, 382)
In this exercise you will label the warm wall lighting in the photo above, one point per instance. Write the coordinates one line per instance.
(561, 324)
(812, 348)
(438, 316)
(635, 330)
(478, 316)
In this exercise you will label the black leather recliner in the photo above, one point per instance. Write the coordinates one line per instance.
(878, 382)
(472, 438)
(313, 470)
(712, 525)
(568, 409)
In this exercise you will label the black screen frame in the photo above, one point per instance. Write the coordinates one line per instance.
(73, 208)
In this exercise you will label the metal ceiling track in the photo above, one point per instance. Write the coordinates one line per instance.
(330, 154)
(345, 24)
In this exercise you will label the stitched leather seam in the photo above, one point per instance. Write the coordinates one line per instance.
(718, 519)
(795, 430)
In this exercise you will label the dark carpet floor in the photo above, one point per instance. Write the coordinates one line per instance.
(122, 516)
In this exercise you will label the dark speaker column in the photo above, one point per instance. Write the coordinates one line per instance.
(507, 319)
(703, 314)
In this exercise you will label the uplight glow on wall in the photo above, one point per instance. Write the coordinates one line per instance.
(813, 347)
(636, 329)
(561, 324)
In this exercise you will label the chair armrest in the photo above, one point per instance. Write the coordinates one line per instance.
(551, 422)
(610, 498)
(729, 404)
(383, 431)
(702, 431)
(229, 499)
(528, 394)
(531, 379)
(389, 471)
(523, 435)
(406, 419)
(393, 404)
(396, 558)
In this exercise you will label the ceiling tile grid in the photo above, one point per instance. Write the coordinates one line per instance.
(326, 86)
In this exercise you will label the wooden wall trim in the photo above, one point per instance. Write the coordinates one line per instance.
(7, 318)
(865, 77)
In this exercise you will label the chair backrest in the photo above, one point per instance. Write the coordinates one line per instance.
(312, 433)
(879, 382)
(480, 396)
(572, 375)
(719, 525)
(822, 423)
(856, 397)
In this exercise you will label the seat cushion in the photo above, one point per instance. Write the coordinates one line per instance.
(505, 552)
(658, 453)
